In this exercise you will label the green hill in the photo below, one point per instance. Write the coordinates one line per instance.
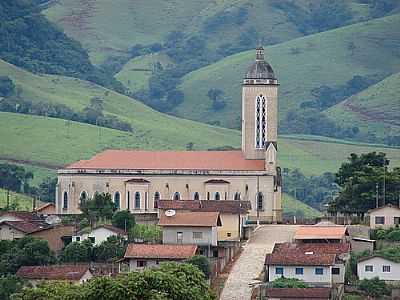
(375, 109)
(20, 201)
(151, 129)
(330, 58)
(109, 28)
(292, 207)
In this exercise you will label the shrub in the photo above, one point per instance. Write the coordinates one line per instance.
(288, 283)
(393, 235)
(373, 287)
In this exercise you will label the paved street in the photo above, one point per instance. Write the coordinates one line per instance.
(251, 261)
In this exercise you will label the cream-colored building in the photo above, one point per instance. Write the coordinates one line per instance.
(384, 217)
(138, 179)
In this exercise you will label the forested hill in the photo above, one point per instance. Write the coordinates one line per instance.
(30, 41)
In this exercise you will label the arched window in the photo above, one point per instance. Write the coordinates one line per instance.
(65, 200)
(177, 196)
(196, 196)
(217, 196)
(117, 200)
(137, 200)
(157, 198)
(260, 201)
(261, 122)
(237, 196)
(83, 197)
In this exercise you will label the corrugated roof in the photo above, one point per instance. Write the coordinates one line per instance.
(160, 251)
(299, 293)
(170, 160)
(54, 272)
(222, 206)
(320, 232)
(26, 227)
(195, 219)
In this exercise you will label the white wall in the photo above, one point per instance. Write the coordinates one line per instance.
(100, 234)
(378, 263)
(308, 276)
(150, 263)
(9, 233)
(388, 212)
(209, 235)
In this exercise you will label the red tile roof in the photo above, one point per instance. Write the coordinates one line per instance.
(160, 251)
(54, 272)
(287, 254)
(114, 229)
(222, 206)
(320, 232)
(195, 219)
(299, 293)
(170, 160)
(22, 215)
(26, 227)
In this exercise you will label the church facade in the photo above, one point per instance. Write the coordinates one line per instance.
(136, 179)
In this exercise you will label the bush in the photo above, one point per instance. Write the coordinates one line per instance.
(373, 287)
(123, 219)
(289, 283)
(202, 263)
(394, 235)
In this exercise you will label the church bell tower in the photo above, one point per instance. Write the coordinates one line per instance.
(260, 112)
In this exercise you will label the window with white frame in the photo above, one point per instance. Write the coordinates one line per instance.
(319, 271)
(369, 268)
(279, 270)
(197, 235)
(386, 269)
(379, 220)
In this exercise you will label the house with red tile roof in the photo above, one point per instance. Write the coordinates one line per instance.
(137, 179)
(298, 293)
(99, 234)
(141, 256)
(70, 273)
(10, 230)
(320, 265)
(321, 234)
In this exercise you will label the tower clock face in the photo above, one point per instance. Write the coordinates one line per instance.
(260, 122)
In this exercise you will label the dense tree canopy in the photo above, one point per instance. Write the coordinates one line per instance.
(123, 219)
(99, 207)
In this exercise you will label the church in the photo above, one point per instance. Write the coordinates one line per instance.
(137, 180)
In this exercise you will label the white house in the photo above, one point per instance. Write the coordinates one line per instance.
(141, 256)
(320, 265)
(378, 266)
(100, 234)
(384, 217)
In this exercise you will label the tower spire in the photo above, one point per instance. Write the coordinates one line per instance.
(259, 51)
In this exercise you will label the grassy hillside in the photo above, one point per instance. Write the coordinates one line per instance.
(49, 141)
(151, 129)
(22, 201)
(292, 207)
(109, 28)
(330, 58)
(375, 109)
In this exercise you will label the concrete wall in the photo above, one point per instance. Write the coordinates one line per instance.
(209, 235)
(167, 185)
(9, 233)
(53, 236)
(378, 263)
(308, 276)
(389, 213)
(100, 235)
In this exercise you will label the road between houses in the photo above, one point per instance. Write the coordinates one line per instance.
(251, 261)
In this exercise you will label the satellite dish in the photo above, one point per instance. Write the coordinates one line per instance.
(170, 212)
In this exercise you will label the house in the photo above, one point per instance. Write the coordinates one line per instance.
(141, 256)
(57, 236)
(384, 217)
(100, 234)
(298, 293)
(11, 230)
(378, 266)
(46, 209)
(70, 273)
(137, 179)
(194, 228)
(20, 216)
(321, 234)
(320, 265)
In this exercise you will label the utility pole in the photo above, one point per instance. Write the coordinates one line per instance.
(258, 195)
(384, 181)
(377, 195)
(8, 199)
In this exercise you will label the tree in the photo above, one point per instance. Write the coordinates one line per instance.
(53, 291)
(10, 285)
(99, 207)
(7, 86)
(288, 283)
(374, 287)
(145, 233)
(202, 263)
(77, 252)
(47, 189)
(27, 251)
(110, 250)
(123, 219)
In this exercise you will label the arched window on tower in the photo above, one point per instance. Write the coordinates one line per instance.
(196, 196)
(177, 196)
(260, 201)
(260, 122)
(237, 196)
(217, 196)
(137, 200)
(117, 200)
(157, 198)
(65, 200)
